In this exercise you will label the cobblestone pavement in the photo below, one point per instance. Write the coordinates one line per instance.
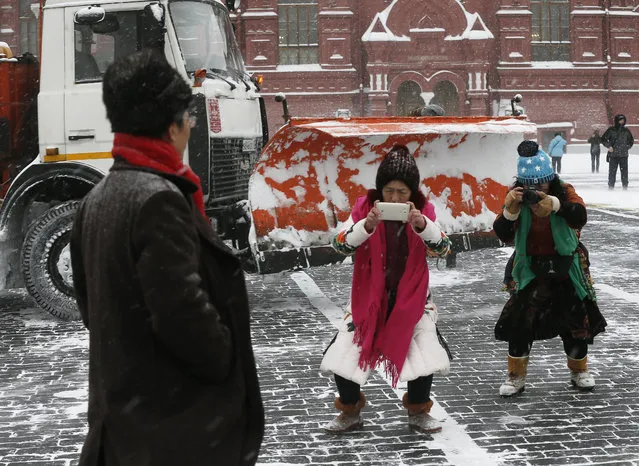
(43, 373)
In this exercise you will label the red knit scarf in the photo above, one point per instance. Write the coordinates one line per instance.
(158, 155)
(382, 340)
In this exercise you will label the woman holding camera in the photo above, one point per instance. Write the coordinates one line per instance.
(552, 292)
(390, 323)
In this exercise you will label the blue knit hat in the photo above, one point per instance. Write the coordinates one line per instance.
(534, 165)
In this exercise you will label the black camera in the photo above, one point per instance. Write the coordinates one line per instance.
(530, 196)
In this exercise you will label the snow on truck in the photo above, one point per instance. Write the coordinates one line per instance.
(55, 139)
(313, 169)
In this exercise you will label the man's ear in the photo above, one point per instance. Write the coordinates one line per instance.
(172, 131)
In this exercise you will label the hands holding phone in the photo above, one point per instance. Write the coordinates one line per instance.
(416, 219)
(397, 212)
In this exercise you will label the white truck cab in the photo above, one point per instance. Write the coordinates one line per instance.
(79, 41)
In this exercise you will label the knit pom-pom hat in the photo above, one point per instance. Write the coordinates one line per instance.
(534, 165)
(400, 165)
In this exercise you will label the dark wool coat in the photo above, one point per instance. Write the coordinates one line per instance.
(619, 138)
(172, 377)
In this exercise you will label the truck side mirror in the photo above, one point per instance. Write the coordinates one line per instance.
(108, 25)
(232, 5)
(89, 15)
(153, 30)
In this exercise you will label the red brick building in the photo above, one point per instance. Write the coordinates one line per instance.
(575, 62)
(19, 25)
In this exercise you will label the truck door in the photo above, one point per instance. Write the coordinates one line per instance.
(90, 50)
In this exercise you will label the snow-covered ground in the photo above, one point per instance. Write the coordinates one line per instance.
(43, 365)
(593, 187)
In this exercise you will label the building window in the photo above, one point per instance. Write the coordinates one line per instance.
(550, 30)
(28, 28)
(298, 32)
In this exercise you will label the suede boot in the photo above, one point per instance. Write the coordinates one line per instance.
(579, 375)
(516, 381)
(349, 419)
(419, 418)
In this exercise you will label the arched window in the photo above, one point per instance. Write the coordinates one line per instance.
(298, 32)
(446, 96)
(550, 30)
(409, 98)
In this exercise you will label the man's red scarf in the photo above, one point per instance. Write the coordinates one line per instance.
(158, 155)
(382, 340)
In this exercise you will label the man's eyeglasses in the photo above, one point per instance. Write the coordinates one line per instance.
(190, 120)
(186, 118)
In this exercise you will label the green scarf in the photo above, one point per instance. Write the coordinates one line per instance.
(566, 243)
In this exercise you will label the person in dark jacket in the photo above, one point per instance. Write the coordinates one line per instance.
(552, 293)
(172, 376)
(618, 139)
(595, 150)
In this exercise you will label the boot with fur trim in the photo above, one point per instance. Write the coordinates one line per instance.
(349, 419)
(419, 418)
(516, 381)
(579, 375)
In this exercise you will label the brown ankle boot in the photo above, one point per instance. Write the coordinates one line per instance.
(419, 418)
(349, 419)
(516, 381)
(579, 375)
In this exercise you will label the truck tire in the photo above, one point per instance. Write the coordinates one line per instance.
(46, 261)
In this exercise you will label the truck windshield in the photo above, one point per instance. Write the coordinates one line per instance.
(205, 35)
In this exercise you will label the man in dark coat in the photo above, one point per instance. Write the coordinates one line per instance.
(618, 140)
(172, 376)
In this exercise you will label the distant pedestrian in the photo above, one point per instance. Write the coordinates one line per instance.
(172, 377)
(556, 150)
(618, 139)
(595, 150)
(391, 323)
(552, 293)
(428, 110)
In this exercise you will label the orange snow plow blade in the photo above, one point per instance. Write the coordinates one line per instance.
(312, 170)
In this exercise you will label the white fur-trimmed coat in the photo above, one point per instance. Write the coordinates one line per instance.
(425, 356)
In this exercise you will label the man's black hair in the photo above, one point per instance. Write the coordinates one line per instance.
(143, 94)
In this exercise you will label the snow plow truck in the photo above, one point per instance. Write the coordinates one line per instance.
(280, 199)
(313, 169)
(55, 139)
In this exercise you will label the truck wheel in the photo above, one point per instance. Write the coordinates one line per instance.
(46, 261)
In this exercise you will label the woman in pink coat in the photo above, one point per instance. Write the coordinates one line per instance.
(389, 326)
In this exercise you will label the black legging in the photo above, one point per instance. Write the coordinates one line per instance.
(418, 390)
(575, 349)
(594, 158)
(556, 164)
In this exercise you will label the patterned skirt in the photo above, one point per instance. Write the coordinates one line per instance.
(546, 308)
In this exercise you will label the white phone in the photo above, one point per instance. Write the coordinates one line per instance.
(394, 211)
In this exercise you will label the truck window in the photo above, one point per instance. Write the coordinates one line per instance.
(98, 45)
(205, 35)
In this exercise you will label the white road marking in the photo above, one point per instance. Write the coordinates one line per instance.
(611, 212)
(460, 449)
(618, 293)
